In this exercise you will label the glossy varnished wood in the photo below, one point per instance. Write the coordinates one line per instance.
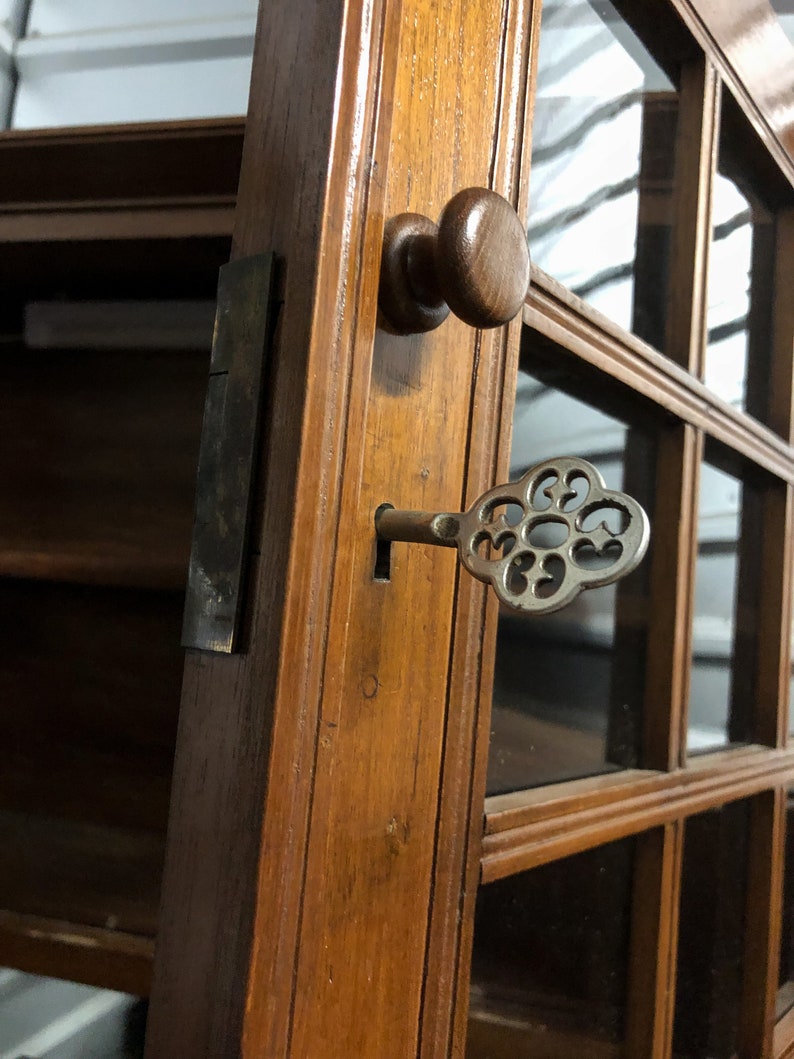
(475, 261)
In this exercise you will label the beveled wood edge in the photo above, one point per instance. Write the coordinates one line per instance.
(109, 959)
(658, 799)
(556, 313)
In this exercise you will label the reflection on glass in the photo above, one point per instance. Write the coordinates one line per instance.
(723, 640)
(568, 686)
(550, 959)
(785, 993)
(602, 164)
(711, 934)
(740, 282)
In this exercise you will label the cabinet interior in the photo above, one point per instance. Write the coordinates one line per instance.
(110, 244)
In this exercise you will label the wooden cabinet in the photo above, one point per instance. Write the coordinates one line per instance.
(110, 242)
(402, 821)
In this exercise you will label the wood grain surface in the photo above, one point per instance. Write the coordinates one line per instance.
(338, 763)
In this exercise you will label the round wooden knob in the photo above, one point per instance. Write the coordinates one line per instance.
(475, 261)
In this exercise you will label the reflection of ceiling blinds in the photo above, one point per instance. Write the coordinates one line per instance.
(588, 119)
(129, 60)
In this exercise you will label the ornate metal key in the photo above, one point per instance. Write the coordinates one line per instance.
(538, 541)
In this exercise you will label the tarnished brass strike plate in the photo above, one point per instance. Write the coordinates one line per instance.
(226, 457)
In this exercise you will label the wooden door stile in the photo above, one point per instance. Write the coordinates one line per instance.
(654, 939)
(763, 920)
(233, 877)
(401, 449)
(695, 162)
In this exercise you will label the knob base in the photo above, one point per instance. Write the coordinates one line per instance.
(408, 295)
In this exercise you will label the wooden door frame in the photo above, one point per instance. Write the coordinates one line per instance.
(238, 831)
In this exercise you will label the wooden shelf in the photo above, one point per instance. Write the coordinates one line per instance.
(98, 452)
(121, 163)
(107, 958)
(79, 563)
(164, 219)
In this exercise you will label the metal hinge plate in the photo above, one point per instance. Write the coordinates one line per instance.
(225, 478)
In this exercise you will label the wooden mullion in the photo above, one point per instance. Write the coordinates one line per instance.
(562, 322)
(763, 923)
(445, 1005)
(781, 398)
(750, 709)
(696, 150)
(672, 590)
(654, 939)
(773, 666)
(658, 800)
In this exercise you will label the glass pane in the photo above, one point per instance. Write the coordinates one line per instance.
(128, 60)
(711, 934)
(63, 1020)
(568, 686)
(725, 614)
(602, 164)
(740, 288)
(549, 967)
(785, 993)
